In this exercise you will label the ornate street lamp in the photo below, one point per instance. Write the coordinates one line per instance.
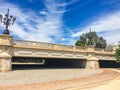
(90, 36)
(7, 21)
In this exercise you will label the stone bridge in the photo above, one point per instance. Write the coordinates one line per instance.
(10, 48)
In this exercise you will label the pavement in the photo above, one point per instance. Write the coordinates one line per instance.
(110, 85)
(113, 84)
(106, 80)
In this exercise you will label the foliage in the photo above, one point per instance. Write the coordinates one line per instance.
(117, 54)
(91, 38)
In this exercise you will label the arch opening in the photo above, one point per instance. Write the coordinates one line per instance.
(108, 64)
(19, 63)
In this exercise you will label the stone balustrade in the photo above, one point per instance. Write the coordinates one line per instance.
(46, 45)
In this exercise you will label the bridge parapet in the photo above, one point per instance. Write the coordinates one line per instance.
(50, 46)
(99, 49)
(32, 43)
(104, 51)
(43, 45)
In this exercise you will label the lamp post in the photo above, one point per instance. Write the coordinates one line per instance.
(7, 20)
(90, 36)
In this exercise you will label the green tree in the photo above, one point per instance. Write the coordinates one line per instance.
(91, 38)
(117, 54)
(79, 43)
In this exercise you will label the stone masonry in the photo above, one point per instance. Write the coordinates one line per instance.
(33, 49)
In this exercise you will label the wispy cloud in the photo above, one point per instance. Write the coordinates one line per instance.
(47, 25)
(111, 2)
(86, 2)
(107, 26)
(67, 3)
(31, 26)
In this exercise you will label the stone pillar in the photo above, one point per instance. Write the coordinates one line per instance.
(92, 64)
(6, 44)
(92, 60)
(5, 59)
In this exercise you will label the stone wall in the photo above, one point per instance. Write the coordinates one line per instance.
(5, 53)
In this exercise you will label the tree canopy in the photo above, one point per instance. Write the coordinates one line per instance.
(91, 38)
(117, 54)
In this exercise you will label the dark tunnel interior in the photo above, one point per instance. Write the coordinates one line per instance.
(56, 63)
(108, 64)
(49, 63)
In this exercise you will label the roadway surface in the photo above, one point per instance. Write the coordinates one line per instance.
(110, 85)
(38, 77)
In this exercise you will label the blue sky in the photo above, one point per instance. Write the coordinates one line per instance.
(63, 21)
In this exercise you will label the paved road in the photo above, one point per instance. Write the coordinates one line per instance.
(72, 82)
(111, 85)
(43, 75)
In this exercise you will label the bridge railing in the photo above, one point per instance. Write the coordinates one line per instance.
(99, 49)
(32, 43)
(80, 47)
(55, 46)
(47, 45)
(65, 47)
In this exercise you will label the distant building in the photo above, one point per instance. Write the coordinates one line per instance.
(112, 46)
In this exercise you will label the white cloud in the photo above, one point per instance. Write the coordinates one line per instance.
(112, 36)
(48, 26)
(107, 26)
(30, 26)
(111, 2)
(67, 3)
(43, 12)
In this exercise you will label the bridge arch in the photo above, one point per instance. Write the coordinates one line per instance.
(27, 62)
(108, 64)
